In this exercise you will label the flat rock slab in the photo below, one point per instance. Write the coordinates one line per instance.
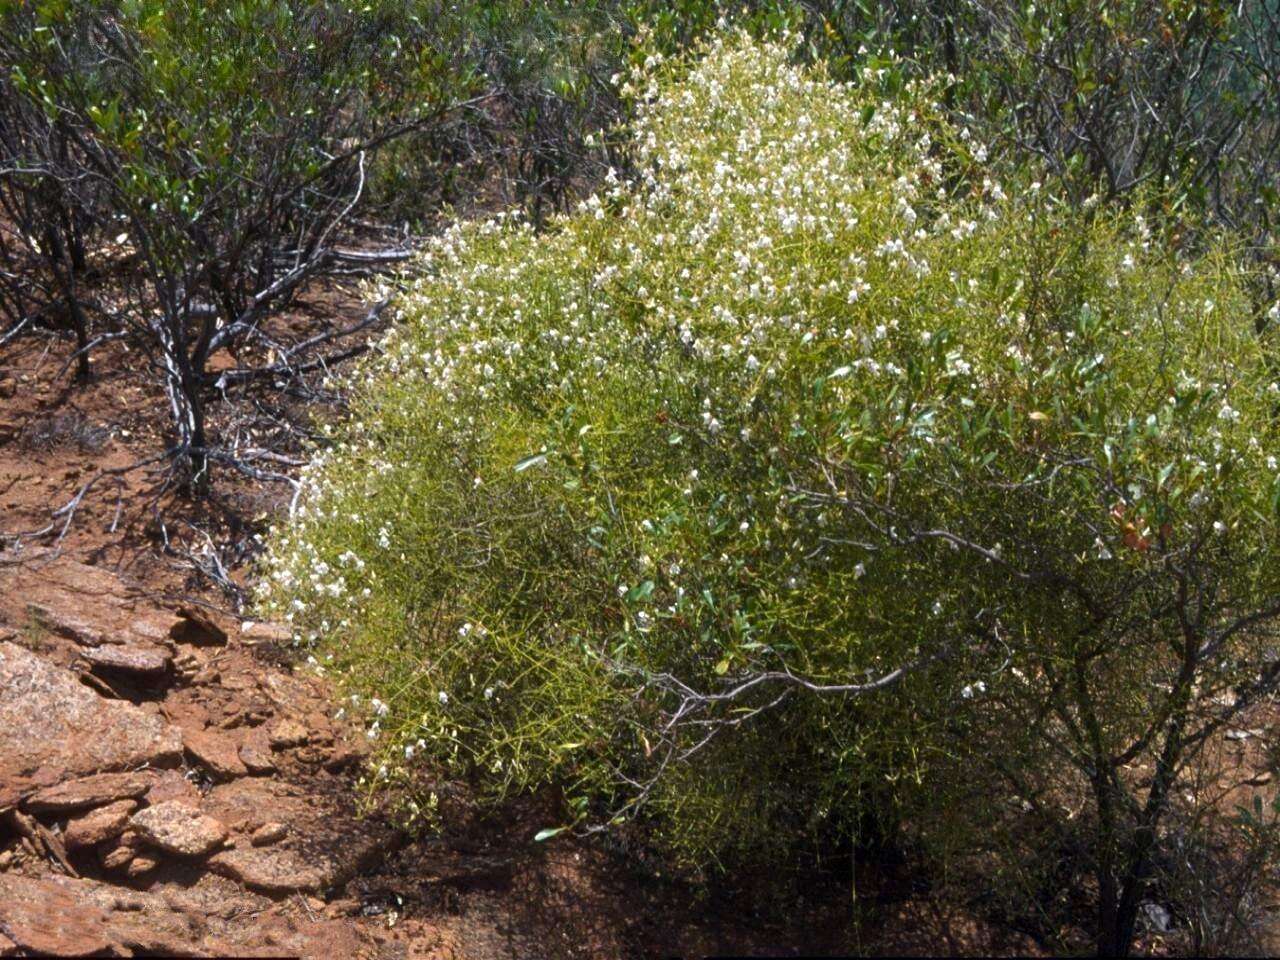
(196, 627)
(272, 870)
(256, 759)
(50, 719)
(288, 733)
(62, 917)
(98, 826)
(255, 633)
(47, 918)
(66, 624)
(138, 660)
(85, 580)
(86, 792)
(175, 827)
(151, 627)
(215, 751)
(325, 843)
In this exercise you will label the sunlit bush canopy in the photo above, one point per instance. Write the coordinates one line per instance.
(638, 505)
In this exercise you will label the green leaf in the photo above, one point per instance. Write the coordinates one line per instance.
(547, 833)
(537, 460)
(640, 591)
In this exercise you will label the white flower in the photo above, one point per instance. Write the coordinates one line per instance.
(443, 698)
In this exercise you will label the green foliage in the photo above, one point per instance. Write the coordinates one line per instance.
(226, 146)
(633, 507)
(1111, 97)
(189, 110)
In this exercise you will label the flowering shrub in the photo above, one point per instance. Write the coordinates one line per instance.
(809, 470)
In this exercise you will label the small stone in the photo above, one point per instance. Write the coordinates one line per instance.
(197, 627)
(92, 791)
(256, 759)
(1242, 734)
(216, 752)
(177, 828)
(139, 661)
(141, 865)
(1157, 917)
(288, 733)
(187, 665)
(98, 826)
(256, 633)
(268, 834)
(342, 908)
(172, 785)
(345, 756)
(117, 856)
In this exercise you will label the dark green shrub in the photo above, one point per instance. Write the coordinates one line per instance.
(223, 153)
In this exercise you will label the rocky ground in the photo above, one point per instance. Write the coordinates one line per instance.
(165, 789)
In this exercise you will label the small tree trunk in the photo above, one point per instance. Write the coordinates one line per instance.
(1108, 915)
(197, 458)
(62, 261)
(81, 326)
(186, 405)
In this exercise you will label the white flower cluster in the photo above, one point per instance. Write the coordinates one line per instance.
(793, 277)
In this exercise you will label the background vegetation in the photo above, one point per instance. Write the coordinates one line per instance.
(173, 173)
(882, 457)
